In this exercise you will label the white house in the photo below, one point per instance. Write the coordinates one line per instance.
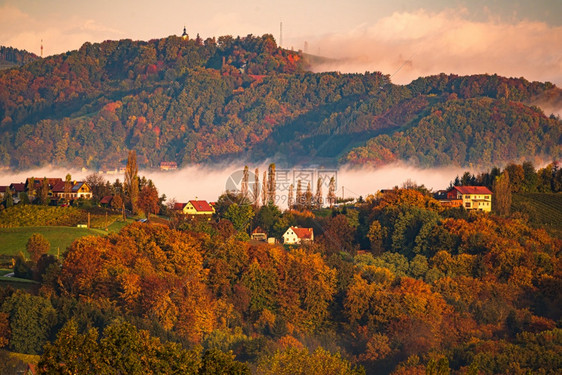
(296, 235)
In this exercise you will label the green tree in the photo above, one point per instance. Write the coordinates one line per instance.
(8, 198)
(31, 321)
(295, 361)
(36, 246)
(375, 236)
(31, 187)
(531, 180)
(67, 186)
(24, 198)
(73, 353)
(215, 362)
(22, 267)
(44, 193)
(516, 177)
(122, 349)
(267, 217)
(240, 216)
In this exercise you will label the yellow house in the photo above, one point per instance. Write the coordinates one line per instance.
(77, 189)
(194, 207)
(472, 197)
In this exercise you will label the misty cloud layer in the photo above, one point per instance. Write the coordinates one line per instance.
(209, 183)
(413, 44)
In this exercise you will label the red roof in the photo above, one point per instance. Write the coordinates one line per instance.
(303, 233)
(3, 189)
(39, 181)
(58, 187)
(201, 206)
(258, 230)
(107, 199)
(473, 190)
(18, 187)
(179, 206)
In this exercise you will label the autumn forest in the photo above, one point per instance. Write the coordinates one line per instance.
(395, 282)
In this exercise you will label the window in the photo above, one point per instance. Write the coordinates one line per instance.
(467, 205)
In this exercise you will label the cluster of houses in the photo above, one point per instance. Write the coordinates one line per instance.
(202, 208)
(57, 189)
(469, 197)
(292, 236)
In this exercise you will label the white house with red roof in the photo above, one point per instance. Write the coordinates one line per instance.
(471, 197)
(297, 236)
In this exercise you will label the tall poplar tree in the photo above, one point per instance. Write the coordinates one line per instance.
(290, 197)
(299, 203)
(501, 200)
(308, 197)
(332, 192)
(244, 185)
(256, 188)
(318, 200)
(271, 185)
(67, 186)
(132, 180)
(264, 189)
(44, 193)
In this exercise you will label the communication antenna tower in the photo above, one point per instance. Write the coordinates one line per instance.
(41, 48)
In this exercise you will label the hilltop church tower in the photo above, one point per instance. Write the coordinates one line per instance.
(184, 36)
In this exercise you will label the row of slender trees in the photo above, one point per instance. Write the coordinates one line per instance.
(303, 200)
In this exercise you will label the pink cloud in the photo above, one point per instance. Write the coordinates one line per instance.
(446, 42)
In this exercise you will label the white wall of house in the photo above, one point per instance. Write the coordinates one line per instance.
(291, 237)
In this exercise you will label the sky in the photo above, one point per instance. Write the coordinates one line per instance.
(403, 38)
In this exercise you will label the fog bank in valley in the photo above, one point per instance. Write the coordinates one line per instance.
(208, 183)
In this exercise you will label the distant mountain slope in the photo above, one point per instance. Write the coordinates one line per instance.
(479, 131)
(201, 101)
(11, 57)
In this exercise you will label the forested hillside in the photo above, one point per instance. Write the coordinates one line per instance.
(195, 101)
(465, 292)
(10, 57)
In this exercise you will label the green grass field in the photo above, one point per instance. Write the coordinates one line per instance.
(13, 240)
(543, 209)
